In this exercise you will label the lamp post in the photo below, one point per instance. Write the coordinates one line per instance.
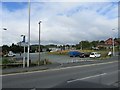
(24, 50)
(4, 28)
(113, 44)
(81, 46)
(39, 43)
(28, 55)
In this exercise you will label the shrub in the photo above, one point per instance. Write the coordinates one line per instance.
(5, 61)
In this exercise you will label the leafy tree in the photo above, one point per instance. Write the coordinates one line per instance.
(94, 43)
(85, 44)
(5, 49)
(102, 41)
(16, 48)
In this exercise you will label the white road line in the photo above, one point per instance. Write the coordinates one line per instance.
(61, 68)
(93, 76)
(86, 77)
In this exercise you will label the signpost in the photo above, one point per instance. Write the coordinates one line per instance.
(23, 42)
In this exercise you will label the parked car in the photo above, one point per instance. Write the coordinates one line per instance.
(95, 55)
(10, 54)
(109, 53)
(87, 54)
(82, 55)
(74, 53)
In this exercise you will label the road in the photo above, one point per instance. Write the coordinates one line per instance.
(105, 73)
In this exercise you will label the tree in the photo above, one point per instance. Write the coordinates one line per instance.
(94, 43)
(102, 42)
(15, 48)
(85, 44)
(5, 49)
(78, 46)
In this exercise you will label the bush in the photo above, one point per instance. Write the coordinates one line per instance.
(6, 61)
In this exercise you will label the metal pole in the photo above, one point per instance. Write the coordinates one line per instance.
(24, 50)
(113, 48)
(24, 57)
(113, 45)
(81, 45)
(28, 55)
(39, 43)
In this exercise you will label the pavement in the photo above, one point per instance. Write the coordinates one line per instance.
(56, 65)
(100, 73)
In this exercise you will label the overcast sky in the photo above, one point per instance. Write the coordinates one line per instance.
(62, 22)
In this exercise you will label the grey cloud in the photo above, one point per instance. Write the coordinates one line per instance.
(58, 29)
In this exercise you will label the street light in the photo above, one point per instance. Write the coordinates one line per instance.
(113, 45)
(39, 43)
(28, 55)
(81, 45)
(24, 50)
(4, 28)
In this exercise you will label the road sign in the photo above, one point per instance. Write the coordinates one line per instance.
(24, 43)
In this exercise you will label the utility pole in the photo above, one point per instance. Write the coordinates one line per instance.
(113, 44)
(28, 55)
(39, 43)
(81, 45)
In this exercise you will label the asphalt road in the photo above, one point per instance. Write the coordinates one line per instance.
(104, 73)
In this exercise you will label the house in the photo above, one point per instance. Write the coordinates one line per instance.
(109, 43)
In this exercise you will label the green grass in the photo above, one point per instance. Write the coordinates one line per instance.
(10, 63)
(65, 52)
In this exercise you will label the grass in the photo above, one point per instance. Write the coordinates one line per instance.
(10, 63)
(64, 52)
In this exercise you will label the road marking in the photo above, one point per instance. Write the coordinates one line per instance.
(86, 77)
(62, 68)
(93, 76)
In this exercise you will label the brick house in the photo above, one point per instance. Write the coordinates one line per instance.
(109, 43)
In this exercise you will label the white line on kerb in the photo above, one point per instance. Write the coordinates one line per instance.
(86, 78)
(62, 68)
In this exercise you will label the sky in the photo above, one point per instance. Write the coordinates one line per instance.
(62, 22)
